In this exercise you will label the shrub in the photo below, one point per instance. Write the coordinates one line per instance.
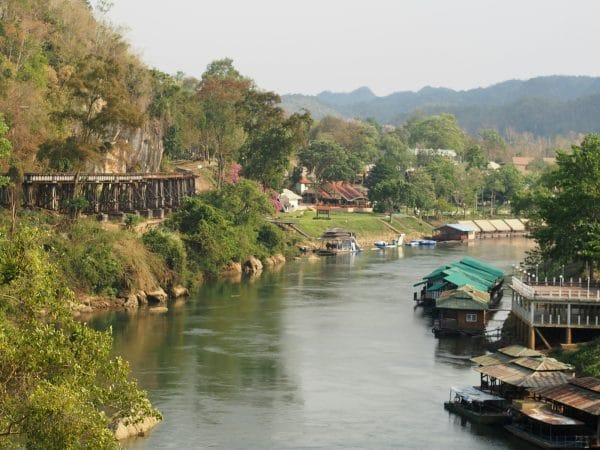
(169, 247)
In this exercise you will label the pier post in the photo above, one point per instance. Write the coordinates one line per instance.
(531, 342)
(568, 336)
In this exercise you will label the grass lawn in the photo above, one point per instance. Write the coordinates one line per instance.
(367, 226)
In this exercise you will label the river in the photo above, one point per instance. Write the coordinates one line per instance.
(321, 354)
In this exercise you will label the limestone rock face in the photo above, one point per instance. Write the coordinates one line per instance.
(157, 296)
(125, 430)
(275, 260)
(179, 291)
(253, 265)
(131, 302)
(134, 150)
(142, 298)
(231, 267)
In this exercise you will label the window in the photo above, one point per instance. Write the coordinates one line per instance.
(471, 317)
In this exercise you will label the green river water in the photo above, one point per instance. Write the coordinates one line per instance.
(325, 354)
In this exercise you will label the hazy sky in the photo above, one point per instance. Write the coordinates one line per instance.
(308, 46)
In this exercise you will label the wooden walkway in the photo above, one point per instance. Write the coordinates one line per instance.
(150, 194)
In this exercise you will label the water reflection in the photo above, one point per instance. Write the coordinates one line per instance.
(323, 354)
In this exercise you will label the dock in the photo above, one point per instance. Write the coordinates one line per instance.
(551, 308)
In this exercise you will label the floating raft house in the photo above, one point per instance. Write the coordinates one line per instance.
(468, 271)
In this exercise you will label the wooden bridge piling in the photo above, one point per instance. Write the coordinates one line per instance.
(147, 194)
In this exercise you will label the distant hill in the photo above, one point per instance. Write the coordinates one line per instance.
(544, 106)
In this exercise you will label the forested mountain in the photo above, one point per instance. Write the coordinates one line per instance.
(544, 106)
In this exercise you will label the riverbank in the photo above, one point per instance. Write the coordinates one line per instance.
(368, 227)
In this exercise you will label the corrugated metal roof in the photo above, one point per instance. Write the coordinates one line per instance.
(471, 224)
(469, 271)
(464, 297)
(491, 359)
(500, 225)
(436, 286)
(460, 279)
(457, 226)
(522, 377)
(550, 417)
(482, 266)
(515, 224)
(485, 225)
(572, 395)
(542, 364)
(590, 383)
(474, 395)
(519, 350)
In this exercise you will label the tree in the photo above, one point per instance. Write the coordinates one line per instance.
(436, 132)
(474, 157)
(220, 94)
(421, 191)
(566, 208)
(272, 138)
(60, 387)
(329, 162)
(5, 149)
(494, 145)
(360, 138)
(389, 195)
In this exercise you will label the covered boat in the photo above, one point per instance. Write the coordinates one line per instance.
(477, 406)
(337, 240)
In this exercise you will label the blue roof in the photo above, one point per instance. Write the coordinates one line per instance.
(458, 226)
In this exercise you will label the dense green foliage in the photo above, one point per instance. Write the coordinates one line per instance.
(226, 225)
(60, 387)
(88, 258)
(586, 359)
(565, 206)
(170, 247)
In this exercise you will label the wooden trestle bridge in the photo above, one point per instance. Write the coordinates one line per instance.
(150, 195)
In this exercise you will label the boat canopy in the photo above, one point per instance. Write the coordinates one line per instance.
(472, 395)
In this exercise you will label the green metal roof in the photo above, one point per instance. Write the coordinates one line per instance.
(437, 286)
(465, 297)
(466, 271)
(459, 280)
(482, 266)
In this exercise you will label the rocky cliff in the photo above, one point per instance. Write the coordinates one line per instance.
(134, 150)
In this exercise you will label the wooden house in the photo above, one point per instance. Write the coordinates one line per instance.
(461, 310)
(454, 232)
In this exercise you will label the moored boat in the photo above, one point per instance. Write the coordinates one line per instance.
(421, 243)
(545, 428)
(392, 244)
(477, 406)
(336, 241)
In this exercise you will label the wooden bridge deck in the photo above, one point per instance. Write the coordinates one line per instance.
(111, 193)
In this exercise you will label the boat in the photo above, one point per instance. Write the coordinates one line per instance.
(477, 406)
(392, 244)
(545, 428)
(421, 243)
(336, 241)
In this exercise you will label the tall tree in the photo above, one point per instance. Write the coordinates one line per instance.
(436, 132)
(566, 210)
(220, 93)
(329, 162)
(272, 138)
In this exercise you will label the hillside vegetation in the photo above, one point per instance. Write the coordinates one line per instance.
(543, 106)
